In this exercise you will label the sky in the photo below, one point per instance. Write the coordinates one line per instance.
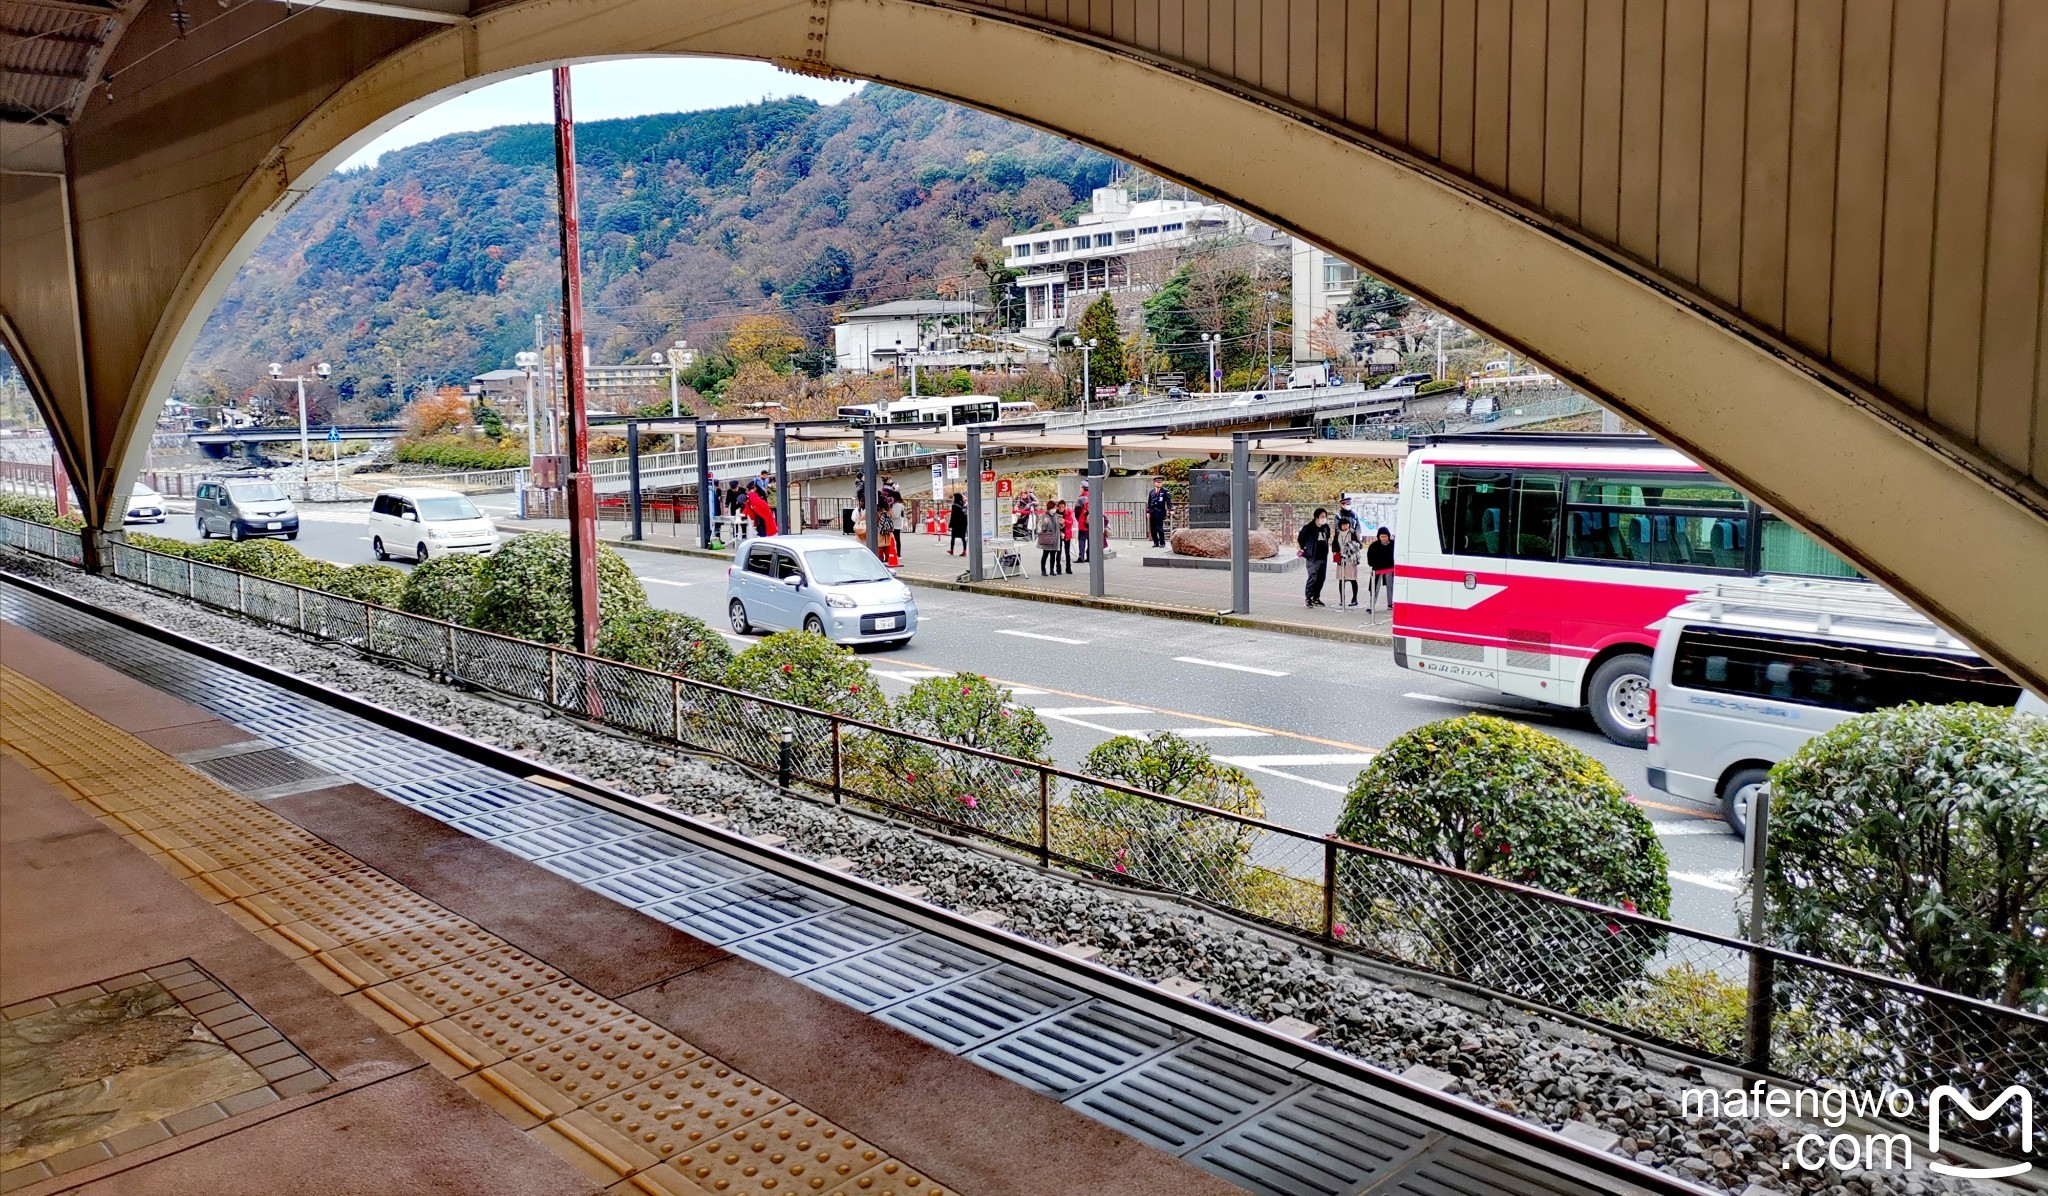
(604, 91)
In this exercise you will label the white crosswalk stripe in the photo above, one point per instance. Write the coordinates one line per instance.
(1298, 761)
(1224, 664)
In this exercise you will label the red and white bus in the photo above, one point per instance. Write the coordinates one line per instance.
(1539, 565)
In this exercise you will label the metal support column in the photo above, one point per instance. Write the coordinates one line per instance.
(633, 475)
(1240, 524)
(975, 564)
(782, 502)
(868, 481)
(1098, 472)
(707, 493)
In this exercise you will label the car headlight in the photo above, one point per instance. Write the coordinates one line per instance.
(433, 533)
(839, 601)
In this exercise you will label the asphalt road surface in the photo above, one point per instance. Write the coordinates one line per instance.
(1303, 716)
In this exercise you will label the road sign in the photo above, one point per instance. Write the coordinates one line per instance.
(938, 480)
(1105, 392)
(1002, 487)
(952, 465)
(989, 475)
(333, 434)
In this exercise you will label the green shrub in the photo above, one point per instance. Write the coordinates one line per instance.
(462, 452)
(523, 589)
(21, 506)
(1156, 842)
(442, 587)
(1911, 841)
(961, 787)
(806, 669)
(1486, 795)
(1483, 794)
(273, 559)
(1684, 1004)
(162, 544)
(381, 584)
(667, 642)
(1438, 386)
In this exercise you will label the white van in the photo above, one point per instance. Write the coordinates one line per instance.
(420, 523)
(1748, 671)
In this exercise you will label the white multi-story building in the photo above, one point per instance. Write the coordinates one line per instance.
(872, 338)
(1322, 284)
(1065, 269)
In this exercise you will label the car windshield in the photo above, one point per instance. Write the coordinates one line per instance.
(142, 492)
(257, 492)
(454, 506)
(845, 566)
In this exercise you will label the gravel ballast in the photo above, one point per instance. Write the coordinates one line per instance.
(1497, 1055)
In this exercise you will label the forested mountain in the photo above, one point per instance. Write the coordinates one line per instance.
(431, 264)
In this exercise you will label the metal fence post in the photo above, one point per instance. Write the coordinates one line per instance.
(301, 596)
(448, 642)
(553, 681)
(1329, 886)
(785, 752)
(675, 709)
(1756, 1024)
(838, 780)
(1045, 818)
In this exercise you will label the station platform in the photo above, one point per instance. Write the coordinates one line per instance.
(255, 942)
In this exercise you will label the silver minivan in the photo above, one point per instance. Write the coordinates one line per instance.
(241, 509)
(1748, 671)
(826, 584)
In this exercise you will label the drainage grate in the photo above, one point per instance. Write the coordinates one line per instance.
(889, 974)
(1070, 1051)
(262, 769)
(545, 841)
(1458, 1168)
(610, 859)
(671, 879)
(821, 940)
(974, 1011)
(742, 908)
(1315, 1143)
(1186, 1096)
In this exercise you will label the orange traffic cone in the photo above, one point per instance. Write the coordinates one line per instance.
(889, 556)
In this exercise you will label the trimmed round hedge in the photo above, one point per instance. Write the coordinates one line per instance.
(442, 587)
(523, 589)
(667, 642)
(806, 669)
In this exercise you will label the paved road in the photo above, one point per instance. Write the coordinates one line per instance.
(1302, 715)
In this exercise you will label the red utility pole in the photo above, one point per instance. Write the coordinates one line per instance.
(582, 494)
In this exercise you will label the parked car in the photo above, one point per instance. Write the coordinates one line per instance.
(145, 506)
(241, 509)
(826, 584)
(422, 523)
(1748, 671)
(1248, 400)
(1406, 380)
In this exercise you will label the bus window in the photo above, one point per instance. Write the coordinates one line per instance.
(1472, 508)
(1683, 522)
(1536, 506)
(974, 413)
(1786, 549)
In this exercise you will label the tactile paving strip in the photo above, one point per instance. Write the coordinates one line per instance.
(663, 1119)
(403, 952)
(430, 995)
(789, 1150)
(327, 913)
(578, 1068)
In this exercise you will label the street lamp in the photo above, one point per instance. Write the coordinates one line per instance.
(321, 371)
(1212, 339)
(1087, 390)
(676, 362)
(530, 362)
(1271, 298)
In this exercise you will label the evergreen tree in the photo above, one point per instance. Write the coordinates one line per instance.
(1098, 323)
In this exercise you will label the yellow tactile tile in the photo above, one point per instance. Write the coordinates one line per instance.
(430, 995)
(226, 853)
(891, 1177)
(503, 1029)
(415, 949)
(665, 1118)
(578, 1068)
(280, 872)
(791, 1150)
(329, 912)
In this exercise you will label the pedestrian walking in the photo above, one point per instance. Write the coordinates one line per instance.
(1048, 547)
(1020, 527)
(1314, 542)
(956, 525)
(1379, 558)
(1066, 537)
(1081, 521)
(1155, 512)
(763, 515)
(1350, 545)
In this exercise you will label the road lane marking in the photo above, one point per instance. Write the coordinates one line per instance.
(1720, 882)
(1224, 664)
(1274, 772)
(1035, 635)
(1067, 711)
(1298, 761)
(1669, 830)
(663, 581)
(1542, 711)
(1204, 732)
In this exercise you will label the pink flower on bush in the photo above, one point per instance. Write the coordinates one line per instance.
(1338, 930)
(789, 668)
(909, 778)
(970, 801)
(1121, 856)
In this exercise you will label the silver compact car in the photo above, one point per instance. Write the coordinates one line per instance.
(826, 584)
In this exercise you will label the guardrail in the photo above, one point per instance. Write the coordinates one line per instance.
(1809, 1020)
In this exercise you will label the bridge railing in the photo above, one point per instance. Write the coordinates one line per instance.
(1807, 1019)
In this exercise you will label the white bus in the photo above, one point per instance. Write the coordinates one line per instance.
(1540, 565)
(954, 411)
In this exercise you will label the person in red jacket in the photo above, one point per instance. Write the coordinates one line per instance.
(760, 512)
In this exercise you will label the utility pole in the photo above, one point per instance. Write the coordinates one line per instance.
(582, 494)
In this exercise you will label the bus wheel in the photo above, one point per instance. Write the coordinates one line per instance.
(1620, 699)
(1738, 795)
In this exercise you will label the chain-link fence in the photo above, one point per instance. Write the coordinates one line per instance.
(1717, 996)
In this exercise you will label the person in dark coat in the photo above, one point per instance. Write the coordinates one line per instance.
(1155, 513)
(1379, 557)
(956, 525)
(1081, 526)
(1314, 542)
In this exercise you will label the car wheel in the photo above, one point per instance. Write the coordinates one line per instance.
(377, 546)
(200, 523)
(237, 532)
(1620, 699)
(737, 612)
(1738, 796)
(419, 553)
(814, 625)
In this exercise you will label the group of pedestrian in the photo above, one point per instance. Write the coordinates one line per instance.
(890, 511)
(1322, 543)
(749, 502)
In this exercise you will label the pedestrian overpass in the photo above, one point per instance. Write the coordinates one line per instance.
(1804, 241)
